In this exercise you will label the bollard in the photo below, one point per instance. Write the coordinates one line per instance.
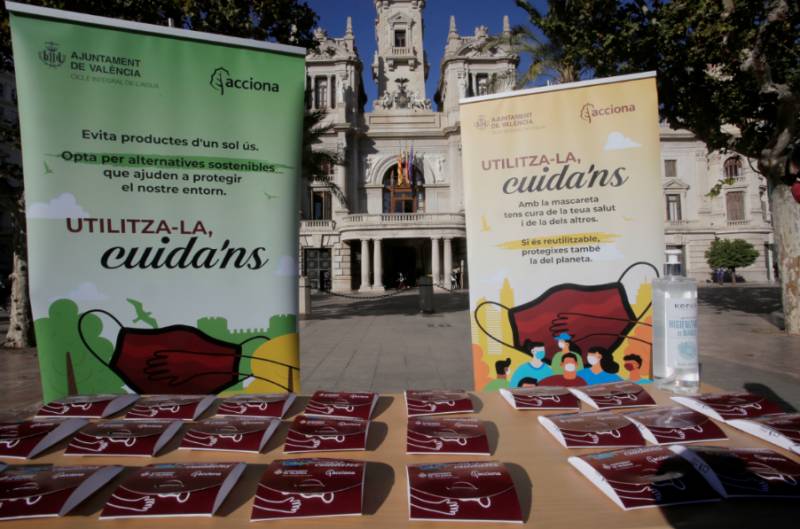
(425, 285)
(304, 307)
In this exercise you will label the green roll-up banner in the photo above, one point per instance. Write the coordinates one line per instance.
(161, 181)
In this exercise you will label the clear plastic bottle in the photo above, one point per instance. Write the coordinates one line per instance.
(675, 363)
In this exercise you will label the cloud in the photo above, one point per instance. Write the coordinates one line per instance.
(86, 292)
(287, 266)
(617, 141)
(63, 206)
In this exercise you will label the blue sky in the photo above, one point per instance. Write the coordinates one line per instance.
(468, 13)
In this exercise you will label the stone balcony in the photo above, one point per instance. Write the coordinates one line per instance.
(314, 226)
(401, 52)
(402, 225)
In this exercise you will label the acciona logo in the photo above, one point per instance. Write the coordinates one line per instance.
(590, 112)
(222, 81)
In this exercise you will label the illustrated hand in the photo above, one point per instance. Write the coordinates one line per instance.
(177, 367)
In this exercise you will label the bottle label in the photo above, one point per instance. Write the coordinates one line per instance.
(682, 332)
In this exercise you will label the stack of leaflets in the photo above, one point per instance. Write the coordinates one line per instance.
(645, 477)
(38, 491)
(230, 434)
(593, 430)
(473, 491)
(87, 406)
(123, 438)
(781, 429)
(256, 405)
(541, 398)
(728, 406)
(435, 402)
(173, 490)
(745, 472)
(622, 394)
(183, 407)
(672, 424)
(657, 476)
(306, 488)
(341, 405)
(314, 434)
(428, 435)
(27, 439)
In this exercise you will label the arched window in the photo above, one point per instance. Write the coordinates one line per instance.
(403, 195)
(733, 167)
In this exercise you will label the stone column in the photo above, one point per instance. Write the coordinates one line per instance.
(364, 265)
(435, 261)
(448, 261)
(377, 271)
(768, 256)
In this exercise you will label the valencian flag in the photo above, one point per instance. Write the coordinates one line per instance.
(161, 182)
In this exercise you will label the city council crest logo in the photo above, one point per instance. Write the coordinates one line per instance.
(481, 123)
(51, 56)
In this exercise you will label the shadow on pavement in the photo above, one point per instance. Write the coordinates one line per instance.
(753, 300)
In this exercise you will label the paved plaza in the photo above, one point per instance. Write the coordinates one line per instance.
(386, 345)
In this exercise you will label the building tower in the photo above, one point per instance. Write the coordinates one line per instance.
(399, 67)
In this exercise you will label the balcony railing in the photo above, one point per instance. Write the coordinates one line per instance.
(317, 225)
(402, 51)
(738, 222)
(403, 219)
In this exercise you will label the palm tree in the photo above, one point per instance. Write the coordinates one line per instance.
(547, 52)
(316, 161)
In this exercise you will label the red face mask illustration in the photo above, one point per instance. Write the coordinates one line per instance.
(594, 315)
(174, 359)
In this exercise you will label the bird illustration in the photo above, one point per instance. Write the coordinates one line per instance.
(484, 224)
(47, 169)
(142, 315)
(270, 197)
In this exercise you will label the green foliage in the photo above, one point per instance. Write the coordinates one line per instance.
(729, 71)
(318, 163)
(730, 254)
(285, 21)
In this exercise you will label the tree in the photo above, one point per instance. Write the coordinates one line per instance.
(728, 71)
(285, 21)
(317, 162)
(730, 254)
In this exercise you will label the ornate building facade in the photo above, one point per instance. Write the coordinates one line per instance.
(367, 225)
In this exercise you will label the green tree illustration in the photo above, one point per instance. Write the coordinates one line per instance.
(58, 334)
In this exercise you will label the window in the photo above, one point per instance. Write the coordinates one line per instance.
(333, 91)
(400, 38)
(320, 205)
(673, 207)
(482, 84)
(321, 92)
(308, 93)
(403, 197)
(670, 168)
(317, 267)
(733, 167)
(734, 205)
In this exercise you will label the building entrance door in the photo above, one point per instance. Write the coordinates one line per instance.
(404, 256)
(317, 266)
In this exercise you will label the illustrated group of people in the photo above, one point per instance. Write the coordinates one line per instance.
(566, 368)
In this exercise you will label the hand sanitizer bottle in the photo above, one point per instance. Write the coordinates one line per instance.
(675, 364)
